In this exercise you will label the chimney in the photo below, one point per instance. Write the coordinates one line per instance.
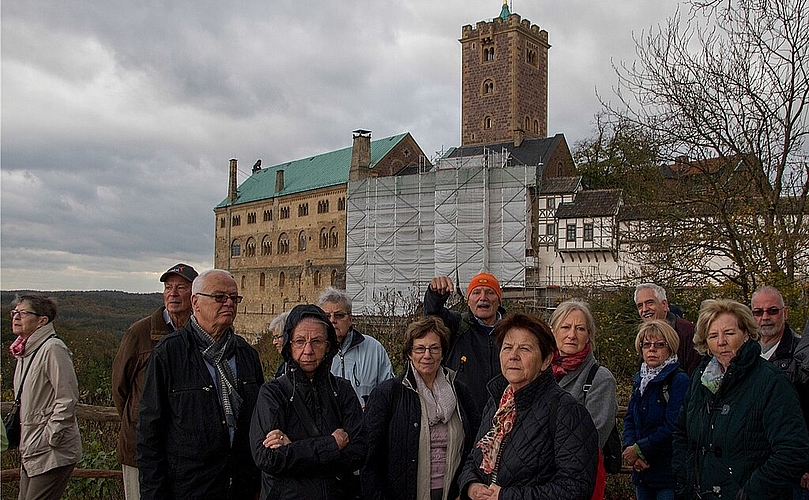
(279, 181)
(360, 155)
(233, 193)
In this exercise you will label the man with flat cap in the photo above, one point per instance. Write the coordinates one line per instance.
(130, 363)
(472, 350)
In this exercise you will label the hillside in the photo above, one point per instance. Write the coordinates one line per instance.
(91, 324)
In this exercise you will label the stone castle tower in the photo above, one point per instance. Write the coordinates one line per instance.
(504, 88)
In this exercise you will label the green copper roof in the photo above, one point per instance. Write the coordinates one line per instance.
(323, 170)
(504, 12)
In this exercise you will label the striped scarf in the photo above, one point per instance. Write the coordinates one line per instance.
(217, 352)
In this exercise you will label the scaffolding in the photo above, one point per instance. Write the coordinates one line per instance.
(466, 215)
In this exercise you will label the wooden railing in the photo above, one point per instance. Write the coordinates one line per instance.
(83, 412)
(110, 414)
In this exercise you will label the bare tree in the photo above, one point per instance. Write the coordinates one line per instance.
(723, 94)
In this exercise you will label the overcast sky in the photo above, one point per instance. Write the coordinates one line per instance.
(119, 117)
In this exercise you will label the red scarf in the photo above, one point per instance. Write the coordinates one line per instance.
(502, 422)
(18, 346)
(562, 365)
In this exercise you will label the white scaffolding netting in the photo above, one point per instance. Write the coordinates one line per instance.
(402, 231)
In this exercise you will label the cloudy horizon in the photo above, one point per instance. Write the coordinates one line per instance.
(119, 118)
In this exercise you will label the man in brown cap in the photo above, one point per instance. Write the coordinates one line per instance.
(130, 363)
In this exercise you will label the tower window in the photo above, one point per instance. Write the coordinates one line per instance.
(235, 248)
(488, 53)
(488, 87)
(487, 122)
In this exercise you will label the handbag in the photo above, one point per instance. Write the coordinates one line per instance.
(12, 419)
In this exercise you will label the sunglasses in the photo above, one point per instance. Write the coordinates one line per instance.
(771, 311)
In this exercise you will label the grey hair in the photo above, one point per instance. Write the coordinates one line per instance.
(199, 281)
(332, 294)
(771, 290)
(658, 290)
(278, 322)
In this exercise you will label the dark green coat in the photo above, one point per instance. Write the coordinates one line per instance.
(748, 440)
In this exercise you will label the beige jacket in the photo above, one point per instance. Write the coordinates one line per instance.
(50, 433)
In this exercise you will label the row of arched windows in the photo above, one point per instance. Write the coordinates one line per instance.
(329, 238)
(317, 279)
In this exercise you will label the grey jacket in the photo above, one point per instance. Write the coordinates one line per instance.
(601, 401)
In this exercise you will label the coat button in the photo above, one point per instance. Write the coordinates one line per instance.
(415, 424)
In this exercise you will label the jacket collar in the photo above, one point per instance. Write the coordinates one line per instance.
(524, 396)
(38, 338)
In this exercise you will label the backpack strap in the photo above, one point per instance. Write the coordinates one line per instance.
(588, 382)
(25, 373)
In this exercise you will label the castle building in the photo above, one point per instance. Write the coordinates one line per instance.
(282, 231)
(379, 220)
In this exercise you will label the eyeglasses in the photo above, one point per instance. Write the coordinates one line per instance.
(420, 349)
(771, 311)
(337, 315)
(658, 345)
(315, 343)
(22, 314)
(222, 297)
(277, 337)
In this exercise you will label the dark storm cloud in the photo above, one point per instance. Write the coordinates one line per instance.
(119, 117)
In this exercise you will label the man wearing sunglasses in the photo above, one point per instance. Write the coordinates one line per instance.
(200, 389)
(779, 344)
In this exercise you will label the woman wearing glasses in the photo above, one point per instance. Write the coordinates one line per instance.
(657, 395)
(50, 444)
(419, 425)
(740, 433)
(306, 433)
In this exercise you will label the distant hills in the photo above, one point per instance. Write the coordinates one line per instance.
(91, 324)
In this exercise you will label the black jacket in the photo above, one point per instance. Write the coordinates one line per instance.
(311, 467)
(392, 423)
(183, 442)
(535, 462)
(784, 355)
(473, 354)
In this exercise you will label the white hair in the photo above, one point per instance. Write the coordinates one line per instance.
(199, 281)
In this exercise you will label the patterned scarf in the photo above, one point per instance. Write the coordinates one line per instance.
(217, 352)
(18, 346)
(712, 376)
(648, 374)
(562, 365)
(502, 423)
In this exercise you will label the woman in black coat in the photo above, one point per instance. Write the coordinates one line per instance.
(535, 441)
(419, 425)
(306, 433)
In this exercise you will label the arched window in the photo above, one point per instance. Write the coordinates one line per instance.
(301, 241)
(244, 282)
(527, 124)
(316, 278)
(487, 122)
(262, 280)
(235, 248)
(250, 247)
(536, 126)
(333, 277)
(488, 86)
(283, 244)
(266, 245)
(282, 280)
(333, 240)
(324, 238)
(341, 204)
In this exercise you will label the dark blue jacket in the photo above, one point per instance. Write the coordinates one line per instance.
(650, 422)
